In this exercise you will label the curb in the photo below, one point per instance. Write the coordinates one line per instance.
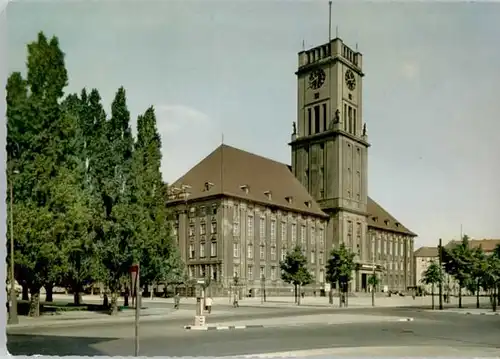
(406, 319)
(222, 327)
(482, 313)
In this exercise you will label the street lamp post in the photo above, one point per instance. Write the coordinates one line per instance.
(13, 318)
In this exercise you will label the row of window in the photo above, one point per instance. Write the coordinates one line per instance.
(203, 229)
(203, 270)
(274, 273)
(262, 231)
(317, 116)
(192, 252)
(350, 123)
(273, 254)
(390, 247)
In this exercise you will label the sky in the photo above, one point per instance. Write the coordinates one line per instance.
(209, 68)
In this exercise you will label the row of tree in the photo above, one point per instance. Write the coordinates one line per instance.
(88, 197)
(340, 267)
(471, 268)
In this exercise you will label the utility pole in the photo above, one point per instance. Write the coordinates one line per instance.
(373, 272)
(440, 252)
(13, 318)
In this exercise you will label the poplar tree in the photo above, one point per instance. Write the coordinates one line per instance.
(117, 230)
(43, 148)
(159, 258)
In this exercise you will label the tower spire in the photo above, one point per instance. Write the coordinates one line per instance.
(329, 21)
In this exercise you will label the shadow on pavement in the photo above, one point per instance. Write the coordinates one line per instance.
(26, 344)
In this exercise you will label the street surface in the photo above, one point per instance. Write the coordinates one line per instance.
(299, 331)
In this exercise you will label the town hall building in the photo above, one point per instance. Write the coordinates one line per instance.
(239, 213)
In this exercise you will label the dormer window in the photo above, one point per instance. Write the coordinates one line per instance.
(386, 222)
(208, 186)
(268, 195)
(397, 224)
(308, 204)
(375, 219)
(245, 188)
(289, 199)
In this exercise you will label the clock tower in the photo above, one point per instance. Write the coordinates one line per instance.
(330, 144)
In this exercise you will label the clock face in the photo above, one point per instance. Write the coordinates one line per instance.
(350, 80)
(317, 79)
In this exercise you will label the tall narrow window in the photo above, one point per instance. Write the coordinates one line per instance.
(345, 117)
(355, 121)
(316, 119)
(325, 125)
(309, 121)
(350, 119)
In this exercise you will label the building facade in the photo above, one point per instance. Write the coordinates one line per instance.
(233, 221)
(320, 201)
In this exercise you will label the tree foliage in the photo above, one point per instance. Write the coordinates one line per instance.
(340, 266)
(88, 201)
(294, 270)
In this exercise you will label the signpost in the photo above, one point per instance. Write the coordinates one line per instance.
(136, 290)
(199, 319)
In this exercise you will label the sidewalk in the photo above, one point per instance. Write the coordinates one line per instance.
(77, 318)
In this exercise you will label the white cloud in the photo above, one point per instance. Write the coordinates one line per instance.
(409, 70)
(187, 136)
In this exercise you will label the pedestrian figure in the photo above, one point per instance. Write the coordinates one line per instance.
(235, 301)
(177, 300)
(208, 304)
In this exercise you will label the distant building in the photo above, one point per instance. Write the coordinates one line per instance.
(425, 255)
(321, 200)
(422, 258)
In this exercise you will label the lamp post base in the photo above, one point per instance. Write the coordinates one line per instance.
(13, 317)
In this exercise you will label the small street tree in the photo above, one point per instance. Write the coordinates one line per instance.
(432, 275)
(458, 263)
(339, 269)
(478, 271)
(373, 281)
(294, 271)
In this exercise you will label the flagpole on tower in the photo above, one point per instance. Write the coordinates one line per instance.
(329, 21)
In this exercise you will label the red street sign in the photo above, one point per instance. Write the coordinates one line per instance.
(134, 271)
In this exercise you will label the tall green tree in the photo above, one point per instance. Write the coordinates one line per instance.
(432, 275)
(478, 271)
(294, 271)
(118, 228)
(339, 269)
(160, 258)
(458, 262)
(80, 248)
(43, 148)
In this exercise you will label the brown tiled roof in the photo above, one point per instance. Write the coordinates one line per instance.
(431, 252)
(228, 168)
(236, 173)
(381, 219)
(488, 245)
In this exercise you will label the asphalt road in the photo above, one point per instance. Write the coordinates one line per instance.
(428, 329)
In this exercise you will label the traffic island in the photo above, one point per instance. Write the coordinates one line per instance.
(406, 320)
(221, 327)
